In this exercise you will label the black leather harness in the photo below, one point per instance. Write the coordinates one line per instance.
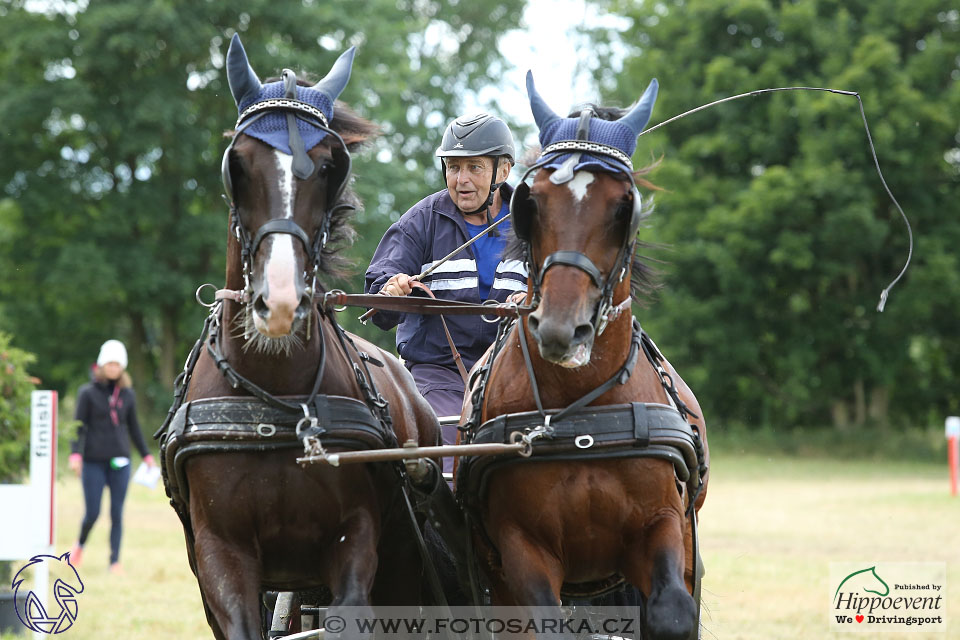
(247, 425)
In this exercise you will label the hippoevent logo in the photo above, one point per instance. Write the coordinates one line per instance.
(66, 587)
(904, 596)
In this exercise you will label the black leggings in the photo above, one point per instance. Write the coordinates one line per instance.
(94, 477)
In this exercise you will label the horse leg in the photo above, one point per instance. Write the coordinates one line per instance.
(530, 573)
(350, 568)
(400, 565)
(229, 579)
(192, 561)
(532, 576)
(352, 560)
(657, 567)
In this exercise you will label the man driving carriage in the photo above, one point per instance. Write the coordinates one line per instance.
(476, 154)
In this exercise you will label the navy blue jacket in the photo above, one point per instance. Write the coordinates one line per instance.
(426, 233)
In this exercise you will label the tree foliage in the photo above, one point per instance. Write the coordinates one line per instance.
(16, 385)
(114, 114)
(781, 235)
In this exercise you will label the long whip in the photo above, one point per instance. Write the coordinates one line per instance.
(886, 292)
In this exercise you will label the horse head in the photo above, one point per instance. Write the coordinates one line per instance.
(283, 174)
(578, 222)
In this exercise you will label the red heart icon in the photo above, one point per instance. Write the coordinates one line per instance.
(859, 618)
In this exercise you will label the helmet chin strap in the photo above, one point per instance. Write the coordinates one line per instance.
(485, 207)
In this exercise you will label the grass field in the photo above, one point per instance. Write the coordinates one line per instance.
(770, 529)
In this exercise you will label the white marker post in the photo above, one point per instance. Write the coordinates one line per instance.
(953, 454)
(30, 507)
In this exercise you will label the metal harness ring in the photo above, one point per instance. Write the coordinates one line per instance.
(266, 430)
(494, 303)
(208, 305)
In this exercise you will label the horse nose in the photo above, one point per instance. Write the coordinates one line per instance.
(279, 313)
(557, 339)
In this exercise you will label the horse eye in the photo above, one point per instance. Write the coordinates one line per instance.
(325, 168)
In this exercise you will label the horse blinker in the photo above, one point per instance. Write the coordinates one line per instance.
(522, 208)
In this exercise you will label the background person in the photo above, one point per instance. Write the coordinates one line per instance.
(476, 154)
(106, 409)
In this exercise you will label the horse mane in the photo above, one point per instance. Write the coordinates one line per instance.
(357, 132)
(645, 279)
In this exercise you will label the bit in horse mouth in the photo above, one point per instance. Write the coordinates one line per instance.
(580, 357)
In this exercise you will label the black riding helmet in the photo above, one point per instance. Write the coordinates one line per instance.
(478, 135)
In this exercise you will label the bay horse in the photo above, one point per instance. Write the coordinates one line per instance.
(546, 528)
(254, 519)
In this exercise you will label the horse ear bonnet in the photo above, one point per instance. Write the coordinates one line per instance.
(272, 127)
(619, 135)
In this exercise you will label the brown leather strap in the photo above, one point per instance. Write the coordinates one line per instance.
(457, 358)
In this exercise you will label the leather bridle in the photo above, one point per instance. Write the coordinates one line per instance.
(522, 207)
(303, 167)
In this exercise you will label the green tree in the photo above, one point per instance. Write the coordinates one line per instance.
(16, 385)
(781, 234)
(114, 113)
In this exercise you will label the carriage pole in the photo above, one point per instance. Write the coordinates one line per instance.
(412, 453)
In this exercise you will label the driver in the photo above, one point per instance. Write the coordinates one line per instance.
(476, 154)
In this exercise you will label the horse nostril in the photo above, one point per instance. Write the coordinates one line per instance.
(533, 323)
(304, 308)
(582, 333)
(260, 307)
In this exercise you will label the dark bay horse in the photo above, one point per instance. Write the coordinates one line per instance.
(546, 526)
(256, 520)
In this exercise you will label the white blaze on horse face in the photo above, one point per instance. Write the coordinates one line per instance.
(285, 174)
(578, 186)
(281, 266)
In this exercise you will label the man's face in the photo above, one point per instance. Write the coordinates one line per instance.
(468, 181)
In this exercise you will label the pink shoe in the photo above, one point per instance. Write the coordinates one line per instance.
(117, 569)
(76, 555)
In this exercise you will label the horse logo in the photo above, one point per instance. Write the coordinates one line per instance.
(65, 591)
(878, 582)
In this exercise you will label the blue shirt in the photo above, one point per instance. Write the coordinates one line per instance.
(489, 250)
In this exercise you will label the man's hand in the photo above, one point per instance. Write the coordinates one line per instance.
(517, 297)
(76, 462)
(398, 285)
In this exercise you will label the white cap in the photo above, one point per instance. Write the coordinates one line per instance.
(112, 351)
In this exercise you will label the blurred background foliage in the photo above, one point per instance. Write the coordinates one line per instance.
(779, 234)
(16, 386)
(113, 126)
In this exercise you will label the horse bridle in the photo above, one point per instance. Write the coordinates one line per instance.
(522, 208)
(303, 167)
